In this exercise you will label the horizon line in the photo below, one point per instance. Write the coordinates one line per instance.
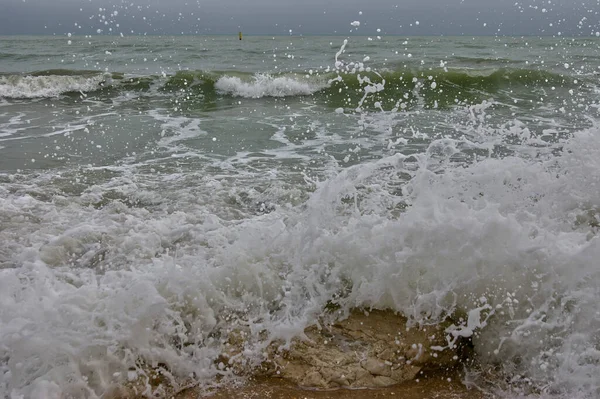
(235, 34)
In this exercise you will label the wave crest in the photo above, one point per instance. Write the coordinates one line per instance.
(44, 85)
(264, 85)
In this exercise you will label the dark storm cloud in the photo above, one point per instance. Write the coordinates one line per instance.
(435, 17)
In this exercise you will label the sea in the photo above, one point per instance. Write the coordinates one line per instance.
(158, 192)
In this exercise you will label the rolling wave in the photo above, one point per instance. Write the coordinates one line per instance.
(51, 83)
(441, 85)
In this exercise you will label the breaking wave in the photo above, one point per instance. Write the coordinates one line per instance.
(50, 83)
(265, 86)
(440, 85)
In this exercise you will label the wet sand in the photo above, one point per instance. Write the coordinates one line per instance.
(273, 389)
(325, 353)
(276, 388)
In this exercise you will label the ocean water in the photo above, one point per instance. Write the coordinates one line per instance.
(158, 192)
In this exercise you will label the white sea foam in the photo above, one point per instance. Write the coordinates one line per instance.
(13, 126)
(174, 129)
(264, 85)
(18, 86)
(96, 289)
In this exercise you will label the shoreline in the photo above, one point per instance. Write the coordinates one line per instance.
(433, 386)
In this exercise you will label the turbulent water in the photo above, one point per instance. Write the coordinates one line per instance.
(157, 192)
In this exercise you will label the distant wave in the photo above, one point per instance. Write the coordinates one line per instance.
(432, 83)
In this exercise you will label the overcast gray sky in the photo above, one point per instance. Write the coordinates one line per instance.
(435, 17)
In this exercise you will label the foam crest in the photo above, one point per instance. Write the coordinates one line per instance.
(24, 86)
(264, 85)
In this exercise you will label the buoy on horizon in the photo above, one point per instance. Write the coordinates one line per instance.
(240, 34)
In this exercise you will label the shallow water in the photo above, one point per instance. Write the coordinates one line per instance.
(157, 192)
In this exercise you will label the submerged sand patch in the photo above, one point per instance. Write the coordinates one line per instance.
(369, 354)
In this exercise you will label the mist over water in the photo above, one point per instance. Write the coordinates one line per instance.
(158, 192)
